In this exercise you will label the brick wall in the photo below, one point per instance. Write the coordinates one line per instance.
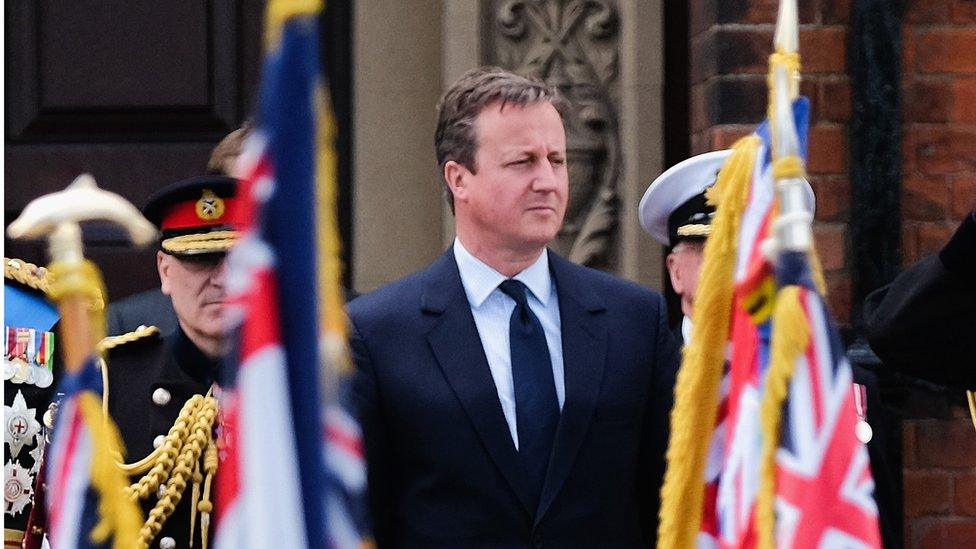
(730, 45)
(940, 482)
(939, 188)
(939, 106)
(730, 42)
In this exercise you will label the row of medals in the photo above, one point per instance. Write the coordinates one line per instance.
(17, 370)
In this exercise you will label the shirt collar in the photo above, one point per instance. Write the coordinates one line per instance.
(686, 329)
(479, 280)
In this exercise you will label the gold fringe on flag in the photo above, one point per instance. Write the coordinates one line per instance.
(119, 517)
(789, 339)
(696, 392)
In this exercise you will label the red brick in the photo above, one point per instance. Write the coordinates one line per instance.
(829, 239)
(824, 49)
(964, 97)
(908, 40)
(835, 11)
(925, 198)
(962, 193)
(760, 11)
(946, 443)
(944, 149)
(833, 197)
(963, 11)
(931, 238)
(927, 493)
(948, 534)
(947, 50)
(810, 88)
(704, 57)
(927, 99)
(827, 149)
(835, 100)
(926, 11)
(964, 494)
(908, 444)
(839, 297)
(723, 137)
(742, 51)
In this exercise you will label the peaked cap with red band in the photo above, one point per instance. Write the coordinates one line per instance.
(200, 215)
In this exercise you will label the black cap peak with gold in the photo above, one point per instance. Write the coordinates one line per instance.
(200, 215)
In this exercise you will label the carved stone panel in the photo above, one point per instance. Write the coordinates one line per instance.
(573, 45)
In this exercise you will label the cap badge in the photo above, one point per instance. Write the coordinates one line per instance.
(210, 206)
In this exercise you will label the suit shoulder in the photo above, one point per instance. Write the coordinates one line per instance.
(617, 289)
(393, 297)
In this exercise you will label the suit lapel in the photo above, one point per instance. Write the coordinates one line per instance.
(460, 354)
(584, 353)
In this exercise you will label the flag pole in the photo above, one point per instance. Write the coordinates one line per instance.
(793, 224)
(79, 292)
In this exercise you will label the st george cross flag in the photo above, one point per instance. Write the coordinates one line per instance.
(292, 471)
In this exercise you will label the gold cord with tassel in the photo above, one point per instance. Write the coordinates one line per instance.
(696, 392)
(789, 339)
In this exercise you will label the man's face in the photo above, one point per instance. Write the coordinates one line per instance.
(684, 266)
(516, 200)
(196, 286)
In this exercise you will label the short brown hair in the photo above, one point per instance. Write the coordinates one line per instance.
(457, 110)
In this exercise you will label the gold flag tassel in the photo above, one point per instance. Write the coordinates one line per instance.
(79, 290)
(696, 392)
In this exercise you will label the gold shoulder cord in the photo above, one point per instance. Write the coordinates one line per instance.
(176, 460)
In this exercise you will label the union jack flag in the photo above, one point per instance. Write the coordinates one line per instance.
(292, 471)
(823, 479)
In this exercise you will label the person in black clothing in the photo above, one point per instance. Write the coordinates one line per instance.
(159, 384)
(924, 322)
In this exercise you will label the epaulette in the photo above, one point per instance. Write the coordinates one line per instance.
(27, 274)
(111, 342)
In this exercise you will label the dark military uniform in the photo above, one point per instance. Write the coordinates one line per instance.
(923, 323)
(149, 308)
(159, 382)
(150, 378)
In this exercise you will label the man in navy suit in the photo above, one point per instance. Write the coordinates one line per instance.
(508, 397)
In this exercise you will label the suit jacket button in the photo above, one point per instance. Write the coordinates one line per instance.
(161, 397)
(167, 543)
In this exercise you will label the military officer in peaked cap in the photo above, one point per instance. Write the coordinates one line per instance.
(675, 210)
(159, 385)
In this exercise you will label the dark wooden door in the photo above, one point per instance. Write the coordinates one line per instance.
(137, 93)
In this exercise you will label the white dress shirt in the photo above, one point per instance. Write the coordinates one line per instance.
(492, 311)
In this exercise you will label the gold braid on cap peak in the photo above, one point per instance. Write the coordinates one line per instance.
(695, 230)
(28, 274)
(207, 242)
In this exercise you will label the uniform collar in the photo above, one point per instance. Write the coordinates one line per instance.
(191, 359)
(480, 280)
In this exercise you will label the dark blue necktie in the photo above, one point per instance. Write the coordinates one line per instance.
(536, 406)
